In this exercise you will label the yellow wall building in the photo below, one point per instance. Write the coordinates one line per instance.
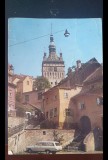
(25, 85)
(56, 105)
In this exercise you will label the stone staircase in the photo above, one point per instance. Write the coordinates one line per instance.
(64, 144)
(76, 143)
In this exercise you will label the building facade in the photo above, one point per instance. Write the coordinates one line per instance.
(87, 106)
(56, 106)
(53, 67)
(24, 83)
(33, 98)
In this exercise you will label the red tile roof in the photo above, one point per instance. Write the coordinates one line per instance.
(21, 77)
(11, 84)
(96, 75)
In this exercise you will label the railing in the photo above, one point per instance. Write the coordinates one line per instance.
(16, 129)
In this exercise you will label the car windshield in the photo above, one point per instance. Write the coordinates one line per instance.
(57, 144)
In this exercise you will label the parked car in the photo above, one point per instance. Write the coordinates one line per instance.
(45, 146)
(10, 153)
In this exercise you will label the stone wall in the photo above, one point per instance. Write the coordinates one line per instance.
(14, 121)
(17, 143)
(89, 143)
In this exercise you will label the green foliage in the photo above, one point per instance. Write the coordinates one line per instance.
(41, 83)
(57, 136)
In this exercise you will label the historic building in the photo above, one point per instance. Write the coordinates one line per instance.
(87, 107)
(88, 104)
(33, 97)
(53, 67)
(80, 72)
(24, 83)
(55, 105)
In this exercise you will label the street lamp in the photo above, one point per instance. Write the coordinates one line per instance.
(66, 34)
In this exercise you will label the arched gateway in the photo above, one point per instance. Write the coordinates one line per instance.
(85, 124)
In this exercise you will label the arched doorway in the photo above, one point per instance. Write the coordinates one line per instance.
(85, 124)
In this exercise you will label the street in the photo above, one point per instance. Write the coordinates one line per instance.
(67, 152)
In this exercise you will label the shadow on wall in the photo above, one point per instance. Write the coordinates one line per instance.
(48, 125)
(85, 125)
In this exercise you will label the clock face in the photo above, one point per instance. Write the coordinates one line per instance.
(50, 69)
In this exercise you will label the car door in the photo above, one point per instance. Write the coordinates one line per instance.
(40, 147)
(51, 146)
(37, 147)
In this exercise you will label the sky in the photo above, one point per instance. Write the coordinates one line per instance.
(29, 38)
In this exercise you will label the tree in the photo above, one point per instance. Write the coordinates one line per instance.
(41, 83)
(57, 136)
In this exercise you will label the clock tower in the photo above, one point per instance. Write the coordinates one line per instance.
(53, 67)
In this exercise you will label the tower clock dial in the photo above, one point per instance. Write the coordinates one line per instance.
(50, 69)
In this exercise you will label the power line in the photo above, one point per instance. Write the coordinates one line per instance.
(33, 39)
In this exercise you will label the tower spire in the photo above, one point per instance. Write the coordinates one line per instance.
(51, 28)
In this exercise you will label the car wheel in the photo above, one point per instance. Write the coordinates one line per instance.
(29, 150)
(47, 152)
(53, 152)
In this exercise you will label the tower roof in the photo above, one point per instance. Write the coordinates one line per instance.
(52, 51)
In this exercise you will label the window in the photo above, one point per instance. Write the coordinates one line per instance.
(10, 94)
(68, 112)
(55, 69)
(27, 98)
(65, 95)
(27, 82)
(81, 105)
(56, 83)
(51, 113)
(39, 95)
(51, 82)
(99, 101)
(55, 97)
(44, 132)
(50, 144)
(55, 112)
(57, 144)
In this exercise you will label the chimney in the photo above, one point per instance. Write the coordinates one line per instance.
(78, 62)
